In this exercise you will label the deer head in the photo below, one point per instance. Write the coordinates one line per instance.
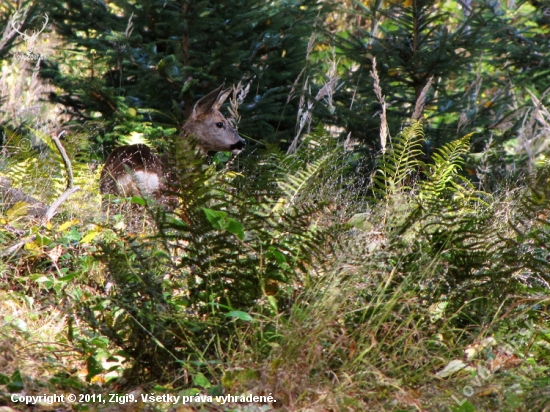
(212, 130)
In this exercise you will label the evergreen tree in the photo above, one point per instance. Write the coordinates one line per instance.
(412, 42)
(516, 58)
(480, 57)
(139, 66)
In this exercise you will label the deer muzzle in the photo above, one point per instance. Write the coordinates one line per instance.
(238, 147)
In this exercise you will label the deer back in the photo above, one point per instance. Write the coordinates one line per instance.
(135, 170)
(131, 171)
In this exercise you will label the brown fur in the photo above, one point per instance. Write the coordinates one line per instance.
(135, 170)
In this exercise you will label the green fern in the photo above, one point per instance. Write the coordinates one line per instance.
(223, 250)
(443, 176)
(43, 174)
(401, 163)
(293, 184)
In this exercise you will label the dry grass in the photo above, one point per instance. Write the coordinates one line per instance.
(25, 94)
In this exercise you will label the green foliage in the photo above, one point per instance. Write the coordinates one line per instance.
(41, 171)
(15, 383)
(455, 238)
(155, 59)
(401, 163)
(220, 221)
(477, 55)
(442, 177)
(248, 282)
(412, 42)
(231, 248)
(294, 185)
(444, 265)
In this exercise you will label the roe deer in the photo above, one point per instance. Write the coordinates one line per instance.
(135, 170)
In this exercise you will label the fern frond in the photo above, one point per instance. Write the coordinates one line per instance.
(443, 175)
(17, 172)
(42, 174)
(401, 162)
(293, 184)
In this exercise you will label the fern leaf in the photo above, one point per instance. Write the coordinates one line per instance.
(401, 162)
(443, 175)
(293, 185)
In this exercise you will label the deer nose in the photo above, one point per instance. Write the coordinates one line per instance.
(240, 145)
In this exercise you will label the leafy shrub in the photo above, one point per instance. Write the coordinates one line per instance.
(239, 242)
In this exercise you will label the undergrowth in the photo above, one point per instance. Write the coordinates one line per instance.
(392, 272)
(265, 279)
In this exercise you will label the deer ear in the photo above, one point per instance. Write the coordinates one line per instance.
(222, 96)
(208, 102)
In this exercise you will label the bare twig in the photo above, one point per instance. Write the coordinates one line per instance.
(66, 160)
(12, 196)
(52, 210)
(38, 209)
(13, 248)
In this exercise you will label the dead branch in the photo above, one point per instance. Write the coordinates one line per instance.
(13, 248)
(11, 196)
(66, 160)
(37, 209)
(52, 210)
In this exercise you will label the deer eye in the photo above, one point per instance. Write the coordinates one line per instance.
(219, 125)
